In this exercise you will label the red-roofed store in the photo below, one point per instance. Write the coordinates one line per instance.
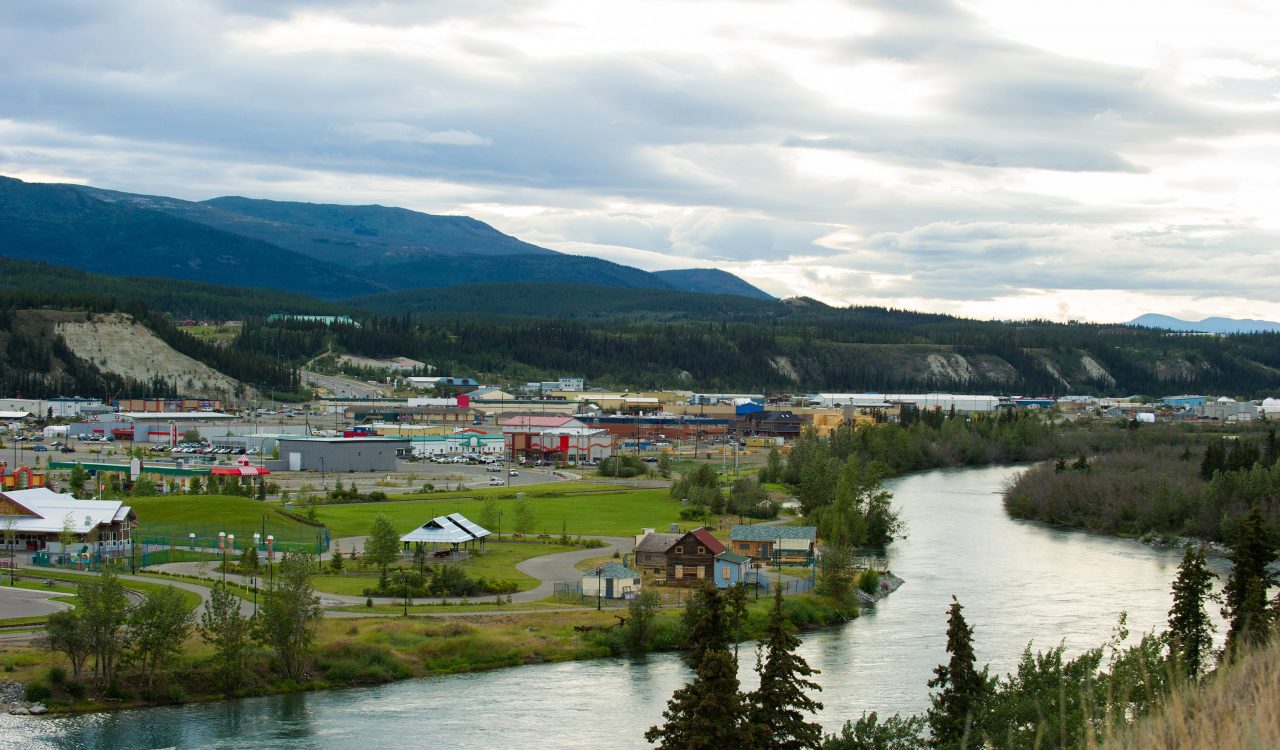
(554, 438)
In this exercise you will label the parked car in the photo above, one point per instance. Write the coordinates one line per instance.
(40, 449)
(513, 473)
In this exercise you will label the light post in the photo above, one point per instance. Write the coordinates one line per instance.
(404, 584)
(324, 483)
(231, 547)
(254, 579)
(271, 571)
(599, 587)
(499, 526)
(222, 547)
(191, 537)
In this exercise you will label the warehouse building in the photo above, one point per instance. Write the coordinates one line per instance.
(300, 453)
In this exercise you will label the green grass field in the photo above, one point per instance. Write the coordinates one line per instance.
(617, 513)
(206, 515)
(498, 562)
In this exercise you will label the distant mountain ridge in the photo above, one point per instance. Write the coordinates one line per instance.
(1208, 325)
(331, 251)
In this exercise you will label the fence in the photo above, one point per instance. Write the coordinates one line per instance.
(206, 539)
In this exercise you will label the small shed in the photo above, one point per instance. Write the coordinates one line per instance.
(454, 530)
(615, 580)
(730, 569)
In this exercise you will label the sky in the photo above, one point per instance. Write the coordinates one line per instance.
(1001, 159)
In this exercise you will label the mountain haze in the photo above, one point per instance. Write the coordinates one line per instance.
(1208, 325)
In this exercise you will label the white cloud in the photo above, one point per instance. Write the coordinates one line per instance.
(994, 157)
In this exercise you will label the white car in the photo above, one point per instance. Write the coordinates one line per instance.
(495, 482)
(513, 473)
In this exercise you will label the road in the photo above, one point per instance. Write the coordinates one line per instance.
(341, 387)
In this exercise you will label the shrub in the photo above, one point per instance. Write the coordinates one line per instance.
(76, 689)
(869, 582)
(177, 694)
(57, 676)
(349, 663)
(38, 692)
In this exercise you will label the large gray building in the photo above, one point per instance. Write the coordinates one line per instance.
(339, 454)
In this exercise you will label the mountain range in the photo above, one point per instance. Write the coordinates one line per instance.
(1208, 325)
(330, 251)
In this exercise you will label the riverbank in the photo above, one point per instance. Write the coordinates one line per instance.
(357, 651)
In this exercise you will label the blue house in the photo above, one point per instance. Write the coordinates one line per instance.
(730, 569)
(1183, 402)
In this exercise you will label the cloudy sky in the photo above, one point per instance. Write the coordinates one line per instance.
(1089, 160)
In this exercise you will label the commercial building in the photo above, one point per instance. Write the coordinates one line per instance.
(339, 455)
(39, 517)
(554, 439)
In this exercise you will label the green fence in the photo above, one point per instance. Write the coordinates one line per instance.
(208, 538)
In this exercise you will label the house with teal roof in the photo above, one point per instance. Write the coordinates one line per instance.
(612, 581)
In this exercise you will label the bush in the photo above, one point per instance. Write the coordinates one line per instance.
(76, 689)
(349, 663)
(57, 676)
(869, 582)
(38, 692)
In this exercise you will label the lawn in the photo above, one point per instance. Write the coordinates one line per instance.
(206, 515)
(498, 562)
(616, 513)
(189, 598)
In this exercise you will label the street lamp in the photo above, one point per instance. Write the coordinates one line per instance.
(191, 537)
(231, 548)
(222, 548)
(499, 526)
(254, 573)
(599, 587)
(271, 571)
(404, 583)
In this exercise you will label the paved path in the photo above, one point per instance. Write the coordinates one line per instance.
(549, 569)
(203, 591)
(28, 603)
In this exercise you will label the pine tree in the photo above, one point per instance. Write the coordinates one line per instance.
(1245, 604)
(779, 705)
(962, 689)
(1190, 630)
(709, 713)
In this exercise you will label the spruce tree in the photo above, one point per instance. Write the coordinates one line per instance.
(1245, 605)
(779, 705)
(1190, 630)
(709, 713)
(962, 690)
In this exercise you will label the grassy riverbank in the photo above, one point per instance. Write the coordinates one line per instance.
(364, 651)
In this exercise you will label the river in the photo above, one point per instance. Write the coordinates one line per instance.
(1018, 581)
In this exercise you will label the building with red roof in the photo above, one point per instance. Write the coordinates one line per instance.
(691, 560)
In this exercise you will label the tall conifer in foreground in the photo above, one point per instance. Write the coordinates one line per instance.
(1190, 630)
(709, 713)
(779, 705)
(1245, 595)
(962, 688)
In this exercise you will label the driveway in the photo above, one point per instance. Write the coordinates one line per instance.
(28, 603)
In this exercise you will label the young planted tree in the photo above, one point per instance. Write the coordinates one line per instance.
(525, 518)
(779, 706)
(1190, 629)
(962, 689)
(835, 572)
(1245, 598)
(336, 560)
(77, 479)
(249, 559)
(382, 546)
(489, 513)
(709, 713)
(157, 630)
(288, 617)
(223, 626)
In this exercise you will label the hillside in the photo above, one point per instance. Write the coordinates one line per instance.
(710, 281)
(357, 249)
(1238, 708)
(533, 299)
(63, 224)
(117, 344)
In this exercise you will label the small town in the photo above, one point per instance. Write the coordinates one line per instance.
(791, 375)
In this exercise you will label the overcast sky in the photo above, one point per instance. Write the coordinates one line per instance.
(1090, 160)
